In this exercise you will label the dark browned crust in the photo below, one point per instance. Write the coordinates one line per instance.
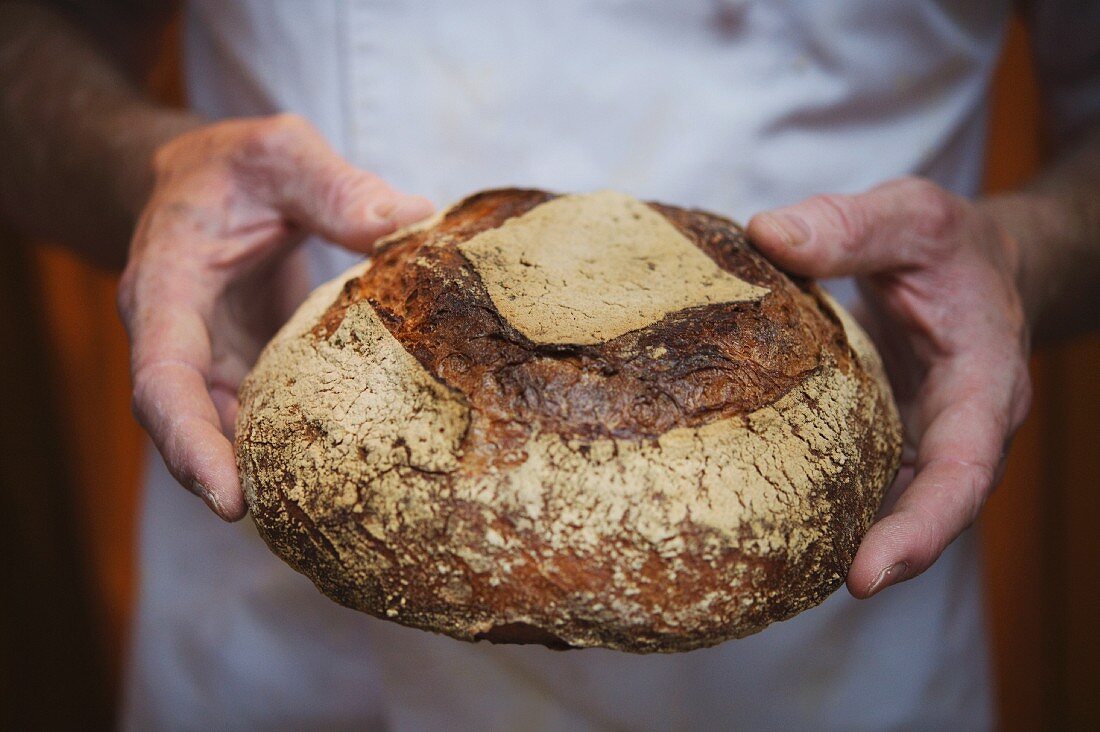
(718, 361)
(713, 362)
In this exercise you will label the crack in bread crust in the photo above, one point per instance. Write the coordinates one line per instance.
(691, 481)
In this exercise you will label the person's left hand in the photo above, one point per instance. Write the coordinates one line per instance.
(939, 276)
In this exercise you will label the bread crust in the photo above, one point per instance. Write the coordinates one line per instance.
(421, 458)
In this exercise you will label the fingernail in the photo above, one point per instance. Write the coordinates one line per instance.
(889, 576)
(207, 495)
(792, 229)
(408, 209)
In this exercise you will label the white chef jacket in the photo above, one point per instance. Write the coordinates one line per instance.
(730, 105)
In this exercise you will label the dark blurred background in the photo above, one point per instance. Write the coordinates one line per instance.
(70, 460)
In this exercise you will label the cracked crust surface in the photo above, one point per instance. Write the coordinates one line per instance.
(657, 480)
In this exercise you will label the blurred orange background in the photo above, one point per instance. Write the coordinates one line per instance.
(72, 458)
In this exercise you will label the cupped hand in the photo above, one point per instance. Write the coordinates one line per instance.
(939, 278)
(212, 274)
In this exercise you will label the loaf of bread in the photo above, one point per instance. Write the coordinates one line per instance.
(574, 420)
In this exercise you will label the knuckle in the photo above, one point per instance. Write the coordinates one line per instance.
(139, 406)
(276, 134)
(845, 214)
(140, 379)
(983, 477)
(937, 213)
(926, 538)
(343, 190)
(145, 403)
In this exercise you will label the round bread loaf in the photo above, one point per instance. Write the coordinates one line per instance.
(577, 420)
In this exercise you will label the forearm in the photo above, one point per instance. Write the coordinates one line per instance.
(1056, 220)
(76, 135)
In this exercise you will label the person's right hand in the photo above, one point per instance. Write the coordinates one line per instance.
(205, 286)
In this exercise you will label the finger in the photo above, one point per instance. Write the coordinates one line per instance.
(958, 462)
(226, 404)
(170, 370)
(319, 190)
(173, 405)
(347, 205)
(893, 226)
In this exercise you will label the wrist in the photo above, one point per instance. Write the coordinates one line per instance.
(1056, 219)
(1027, 218)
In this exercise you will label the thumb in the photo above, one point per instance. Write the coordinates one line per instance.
(891, 226)
(317, 189)
(349, 206)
